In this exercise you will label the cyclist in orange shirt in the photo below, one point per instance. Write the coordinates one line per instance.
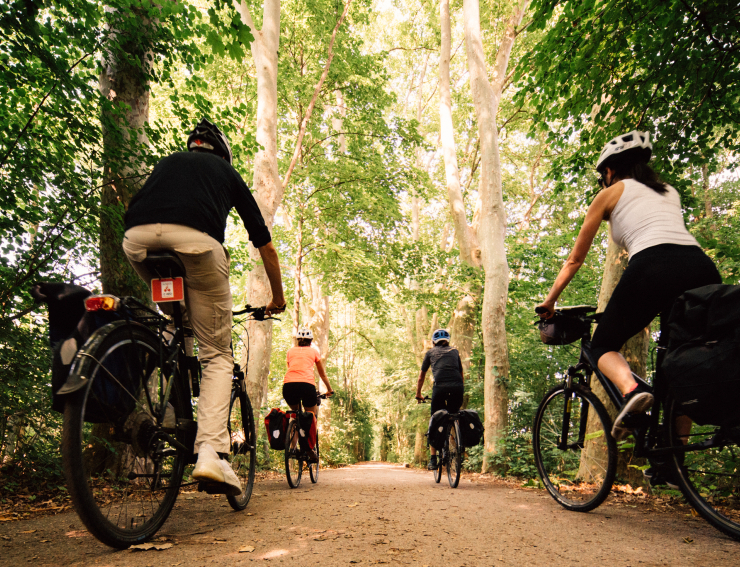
(299, 385)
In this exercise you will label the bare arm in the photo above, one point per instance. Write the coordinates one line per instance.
(597, 212)
(324, 377)
(272, 268)
(420, 383)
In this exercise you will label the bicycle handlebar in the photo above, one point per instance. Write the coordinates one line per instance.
(258, 313)
(423, 400)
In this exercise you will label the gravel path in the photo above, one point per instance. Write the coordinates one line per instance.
(376, 513)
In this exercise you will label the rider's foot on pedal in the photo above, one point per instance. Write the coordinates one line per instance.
(432, 463)
(210, 468)
(312, 456)
(637, 401)
(661, 476)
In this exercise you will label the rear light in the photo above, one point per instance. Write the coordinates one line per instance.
(102, 303)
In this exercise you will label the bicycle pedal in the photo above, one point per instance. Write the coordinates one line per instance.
(212, 487)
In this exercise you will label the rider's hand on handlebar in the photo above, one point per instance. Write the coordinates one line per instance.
(545, 310)
(330, 393)
(419, 399)
(272, 308)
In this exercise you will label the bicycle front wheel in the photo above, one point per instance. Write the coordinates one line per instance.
(123, 473)
(454, 453)
(293, 461)
(709, 477)
(574, 451)
(313, 468)
(243, 454)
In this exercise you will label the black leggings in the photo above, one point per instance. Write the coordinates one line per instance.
(651, 283)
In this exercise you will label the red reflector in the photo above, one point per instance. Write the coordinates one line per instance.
(168, 289)
(102, 303)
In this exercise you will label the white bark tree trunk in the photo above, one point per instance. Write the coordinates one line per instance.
(492, 229)
(266, 183)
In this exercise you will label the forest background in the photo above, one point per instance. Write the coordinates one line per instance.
(420, 165)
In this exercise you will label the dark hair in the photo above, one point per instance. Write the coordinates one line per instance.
(640, 172)
(443, 343)
(304, 342)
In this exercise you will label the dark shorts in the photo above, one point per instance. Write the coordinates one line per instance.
(651, 283)
(449, 398)
(303, 392)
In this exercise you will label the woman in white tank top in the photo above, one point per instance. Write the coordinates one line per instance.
(645, 218)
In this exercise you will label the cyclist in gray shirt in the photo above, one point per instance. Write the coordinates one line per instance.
(449, 382)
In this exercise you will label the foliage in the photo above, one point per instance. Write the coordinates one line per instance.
(670, 68)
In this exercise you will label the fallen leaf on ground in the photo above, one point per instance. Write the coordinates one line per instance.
(353, 505)
(250, 514)
(688, 540)
(246, 549)
(77, 533)
(5, 519)
(28, 532)
(355, 560)
(320, 538)
(148, 546)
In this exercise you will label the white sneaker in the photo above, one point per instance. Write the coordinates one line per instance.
(210, 468)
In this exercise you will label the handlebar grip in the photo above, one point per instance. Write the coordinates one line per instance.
(540, 310)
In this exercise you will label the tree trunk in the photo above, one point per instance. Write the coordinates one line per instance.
(127, 90)
(492, 230)
(266, 183)
(634, 351)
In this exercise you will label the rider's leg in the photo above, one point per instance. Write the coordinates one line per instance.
(615, 367)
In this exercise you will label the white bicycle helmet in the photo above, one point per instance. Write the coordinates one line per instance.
(635, 145)
(304, 334)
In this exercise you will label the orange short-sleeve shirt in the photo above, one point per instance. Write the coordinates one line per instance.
(301, 361)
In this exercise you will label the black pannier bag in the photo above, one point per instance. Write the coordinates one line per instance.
(437, 425)
(561, 329)
(471, 428)
(276, 423)
(702, 361)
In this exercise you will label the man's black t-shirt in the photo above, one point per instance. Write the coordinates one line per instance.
(446, 365)
(198, 190)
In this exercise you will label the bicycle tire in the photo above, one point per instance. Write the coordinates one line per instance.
(99, 458)
(293, 461)
(454, 453)
(243, 452)
(578, 480)
(708, 478)
(313, 468)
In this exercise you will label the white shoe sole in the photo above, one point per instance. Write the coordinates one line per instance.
(208, 471)
(639, 404)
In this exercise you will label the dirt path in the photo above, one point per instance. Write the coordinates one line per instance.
(384, 514)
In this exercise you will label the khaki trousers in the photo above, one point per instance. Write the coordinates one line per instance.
(208, 306)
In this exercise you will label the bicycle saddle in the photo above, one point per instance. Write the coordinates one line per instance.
(164, 264)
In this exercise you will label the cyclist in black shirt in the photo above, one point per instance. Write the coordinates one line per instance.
(449, 381)
(183, 207)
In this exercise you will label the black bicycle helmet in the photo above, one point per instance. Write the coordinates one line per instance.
(207, 136)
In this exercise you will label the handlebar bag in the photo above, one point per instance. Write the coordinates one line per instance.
(276, 424)
(307, 432)
(701, 361)
(437, 425)
(562, 329)
(471, 428)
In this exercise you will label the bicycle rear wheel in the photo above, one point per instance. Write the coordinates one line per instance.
(454, 453)
(313, 468)
(243, 454)
(709, 478)
(440, 464)
(123, 474)
(293, 461)
(574, 451)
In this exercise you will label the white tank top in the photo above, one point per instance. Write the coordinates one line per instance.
(643, 218)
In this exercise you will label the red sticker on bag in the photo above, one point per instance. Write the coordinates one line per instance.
(168, 289)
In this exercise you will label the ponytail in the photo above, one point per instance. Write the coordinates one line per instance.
(640, 172)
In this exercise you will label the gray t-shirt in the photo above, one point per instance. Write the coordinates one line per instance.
(446, 365)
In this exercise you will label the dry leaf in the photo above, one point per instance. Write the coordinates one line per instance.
(28, 532)
(250, 514)
(246, 549)
(77, 533)
(320, 538)
(688, 540)
(148, 546)
(353, 505)
(355, 560)
(6, 519)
